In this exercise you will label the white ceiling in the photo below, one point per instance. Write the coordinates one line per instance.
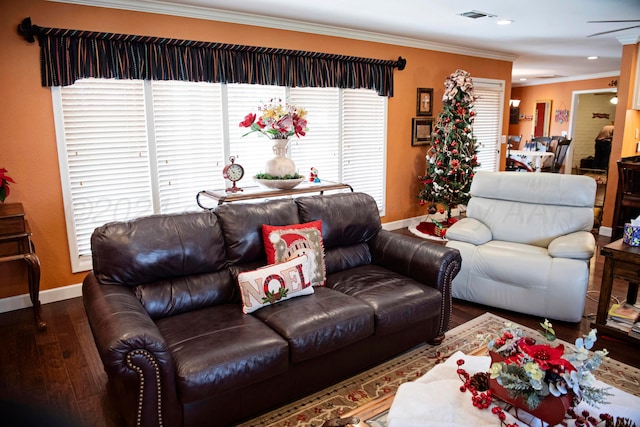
(548, 40)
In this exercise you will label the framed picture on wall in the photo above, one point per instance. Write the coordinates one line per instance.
(421, 131)
(424, 105)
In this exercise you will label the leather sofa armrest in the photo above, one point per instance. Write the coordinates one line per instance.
(470, 230)
(427, 262)
(134, 354)
(577, 245)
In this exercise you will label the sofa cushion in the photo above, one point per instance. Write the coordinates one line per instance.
(157, 247)
(282, 243)
(168, 297)
(532, 209)
(320, 323)
(219, 349)
(344, 257)
(274, 283)
(398, 302)
(347, 218)
(242, 226)
(569, 190)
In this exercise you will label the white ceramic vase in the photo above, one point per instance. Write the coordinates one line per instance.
(280, 165)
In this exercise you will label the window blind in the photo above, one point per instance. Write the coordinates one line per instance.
(487, 125)
(105, 158)
(130, 148)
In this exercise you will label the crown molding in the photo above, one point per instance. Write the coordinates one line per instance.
(567, 79)
(629, 39)
(198, 12)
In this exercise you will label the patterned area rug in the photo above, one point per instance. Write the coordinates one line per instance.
(385, 378)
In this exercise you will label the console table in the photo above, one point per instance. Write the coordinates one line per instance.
(16, 245)
(252, 193)
(621, 261)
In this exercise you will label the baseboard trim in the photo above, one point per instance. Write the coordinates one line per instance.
(50, 295)
(605, 231)
(403, 223)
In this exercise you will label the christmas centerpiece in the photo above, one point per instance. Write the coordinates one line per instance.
(278, 121)
(546, 381)
(451, 160)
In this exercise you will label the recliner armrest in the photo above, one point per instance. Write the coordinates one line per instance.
(470, 230)
(134, 353)
(576, 245)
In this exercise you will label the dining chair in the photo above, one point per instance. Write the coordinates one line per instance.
(559, 154)
(541, 143)
(554, 141)
(627, 205)
(513, 142)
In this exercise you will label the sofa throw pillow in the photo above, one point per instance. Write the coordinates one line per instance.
(274, 283)
(286, 242)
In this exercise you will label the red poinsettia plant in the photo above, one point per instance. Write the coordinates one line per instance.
(4, 184)
(277, 120)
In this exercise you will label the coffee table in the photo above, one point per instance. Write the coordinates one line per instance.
(380, 412)
(377, 407)
(435, 399)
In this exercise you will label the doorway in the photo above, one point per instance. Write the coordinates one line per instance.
(541, 118)
(590, 110)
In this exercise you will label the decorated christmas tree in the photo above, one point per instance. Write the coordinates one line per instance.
(451, 160)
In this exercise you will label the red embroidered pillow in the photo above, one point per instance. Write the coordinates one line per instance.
(282, 243)
(274, 283)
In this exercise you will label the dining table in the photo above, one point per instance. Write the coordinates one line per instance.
(533, 160)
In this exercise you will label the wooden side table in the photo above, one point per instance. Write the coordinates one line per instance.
(621, 261)
(16, 245)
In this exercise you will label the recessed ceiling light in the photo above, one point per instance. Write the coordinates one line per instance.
(505, 22)
(523, 79)
(592, 57)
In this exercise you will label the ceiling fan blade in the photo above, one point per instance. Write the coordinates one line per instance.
(613, 31)
(622, 20)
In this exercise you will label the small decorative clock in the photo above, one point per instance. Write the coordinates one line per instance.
(234, 173)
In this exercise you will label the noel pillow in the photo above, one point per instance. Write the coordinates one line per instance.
(282, 243)
(274, 283)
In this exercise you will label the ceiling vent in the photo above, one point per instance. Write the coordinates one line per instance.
(475, 14)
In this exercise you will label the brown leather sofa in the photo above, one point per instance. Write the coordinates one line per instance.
(165, 310)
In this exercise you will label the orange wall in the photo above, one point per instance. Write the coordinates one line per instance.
(28, 143)
(560, 95)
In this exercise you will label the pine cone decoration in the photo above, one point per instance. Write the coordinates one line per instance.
(480, 381)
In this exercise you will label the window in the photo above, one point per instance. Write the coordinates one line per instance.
(129, 148)
(487, 126)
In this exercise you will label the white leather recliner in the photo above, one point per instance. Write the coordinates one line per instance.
(526, 243)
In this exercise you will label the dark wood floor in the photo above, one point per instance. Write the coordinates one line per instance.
(60, 368)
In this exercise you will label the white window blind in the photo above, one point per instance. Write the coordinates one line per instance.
(105, 156)
(487, 125)
(363, 142)
(188, 138)
(251, 151)
(132, 148)
(320, 148)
